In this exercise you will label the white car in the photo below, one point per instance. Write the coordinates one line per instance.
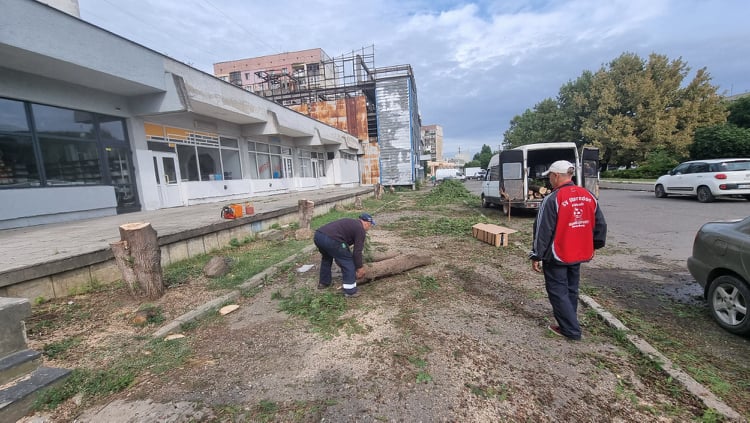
(707, 179)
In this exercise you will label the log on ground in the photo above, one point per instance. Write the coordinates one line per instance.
(393, 266)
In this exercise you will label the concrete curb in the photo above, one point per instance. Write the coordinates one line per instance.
(212, 306)
(694, 387)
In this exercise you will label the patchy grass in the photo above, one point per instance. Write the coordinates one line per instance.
(323, 311)
(157, 356)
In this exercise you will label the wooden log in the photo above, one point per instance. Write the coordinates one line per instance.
(144, 256)
(382, 255)
(393, 266)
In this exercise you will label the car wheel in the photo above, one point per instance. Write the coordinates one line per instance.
(727, 299)
(704, 194)
(659, 191)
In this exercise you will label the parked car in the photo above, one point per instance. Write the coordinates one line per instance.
(721, 265)
(707, 179)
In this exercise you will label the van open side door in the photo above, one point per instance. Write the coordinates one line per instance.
(590, 169)
(512, 176)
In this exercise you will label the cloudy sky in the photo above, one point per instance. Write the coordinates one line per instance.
(476, 64)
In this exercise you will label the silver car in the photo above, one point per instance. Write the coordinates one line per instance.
(707, 179)
(721, 265)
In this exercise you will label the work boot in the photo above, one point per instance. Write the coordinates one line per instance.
(321, 286)
(353, 295)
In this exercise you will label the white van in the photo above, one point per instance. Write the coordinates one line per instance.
(514, 177)
(441, 174)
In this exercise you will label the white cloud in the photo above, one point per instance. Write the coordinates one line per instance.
(477, 64)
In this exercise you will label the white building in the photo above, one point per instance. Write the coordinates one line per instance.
(92, 124)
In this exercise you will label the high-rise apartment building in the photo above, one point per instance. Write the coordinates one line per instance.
(432, 138)
(280, 74)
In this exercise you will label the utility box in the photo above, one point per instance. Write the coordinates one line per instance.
(492, 234)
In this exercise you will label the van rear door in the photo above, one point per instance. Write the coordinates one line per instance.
(512, 175)
(590, 169)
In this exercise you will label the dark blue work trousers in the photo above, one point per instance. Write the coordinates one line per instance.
(561, 282)
(330, 249)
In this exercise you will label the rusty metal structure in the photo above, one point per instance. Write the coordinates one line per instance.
(376, 105)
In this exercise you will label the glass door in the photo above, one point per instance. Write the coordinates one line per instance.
(121, 177)
(167, 175)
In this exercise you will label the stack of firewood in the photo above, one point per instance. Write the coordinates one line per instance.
(537, 192)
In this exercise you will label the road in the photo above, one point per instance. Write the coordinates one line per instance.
(660, 227)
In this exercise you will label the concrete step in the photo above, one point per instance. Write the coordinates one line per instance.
(16, 398)
(18, 364)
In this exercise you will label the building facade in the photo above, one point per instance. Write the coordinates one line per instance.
(432, 137)
(377, 105)
(92, 124)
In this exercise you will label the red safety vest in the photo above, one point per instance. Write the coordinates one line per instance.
(576, 217)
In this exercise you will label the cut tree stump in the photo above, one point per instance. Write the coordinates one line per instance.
(393, 266)
(138, 257)
(305, 211)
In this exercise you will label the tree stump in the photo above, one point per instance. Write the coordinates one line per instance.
(306, 208)
(138, 257)
(378, 191)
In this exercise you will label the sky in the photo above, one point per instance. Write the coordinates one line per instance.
(476, 64)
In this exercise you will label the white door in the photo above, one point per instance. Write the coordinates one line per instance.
(167, 179)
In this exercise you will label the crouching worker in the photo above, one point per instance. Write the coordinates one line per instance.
(333, 241)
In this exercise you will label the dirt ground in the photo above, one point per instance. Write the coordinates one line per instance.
(475, 349)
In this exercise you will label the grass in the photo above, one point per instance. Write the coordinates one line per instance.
(248, 259)
(156, 356)
(59, 349)
(322, 310)
(500, 392)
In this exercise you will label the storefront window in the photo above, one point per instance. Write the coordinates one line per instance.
(17, 162)
(188, 159)
(12, 116)
(112, 129)
(265, 161)
(68, 162)
(75, 148)
(252, 167)
(209, 164)
(230, 160)
(264, 166)
(63, 122)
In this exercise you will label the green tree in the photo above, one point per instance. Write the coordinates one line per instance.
(482, 158)
(543, 124)
(628, 109)
(720, 141)
(739, 112)
(640, 106)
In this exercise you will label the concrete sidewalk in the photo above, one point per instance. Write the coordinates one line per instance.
(38, 251)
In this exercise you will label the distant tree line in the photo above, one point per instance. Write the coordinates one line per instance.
(640, 112)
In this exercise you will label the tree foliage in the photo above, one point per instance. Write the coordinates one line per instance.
(628, 109)
(739, 112)
(482, 158)
(721, 141)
